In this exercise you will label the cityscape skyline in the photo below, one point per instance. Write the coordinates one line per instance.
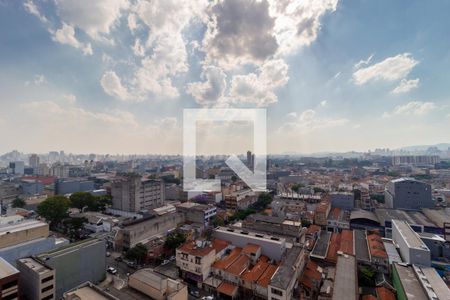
(330, 77)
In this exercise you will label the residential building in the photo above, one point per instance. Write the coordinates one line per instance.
(37, 281)
(196, 258)
(17, 167)
(132, 193)
(346, 278)
(271, 246)
(240, 199)
(76, 263)
(9, 281)
(408, 193)
(412, 249)
(282, 283)
(33, 161)
(157, 286)
(321, 213)
(197, 213)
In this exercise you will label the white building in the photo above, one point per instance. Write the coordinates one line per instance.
(412, 249)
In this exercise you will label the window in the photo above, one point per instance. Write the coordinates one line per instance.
(46, 289)
(198, 260)
(277, 292)
(9, 285)
(11, 296)
(47, 279)
(48, 297)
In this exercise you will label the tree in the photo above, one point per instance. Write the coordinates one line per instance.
(73, 226)
(82, 199)
(138, 253)
(216, 221)
(18, 202)
(54, 209)
(174, 240)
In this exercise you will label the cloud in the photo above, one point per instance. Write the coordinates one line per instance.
(259, 88)
(239, 31)
(96, 18)
(364, 62)
(31, 8)
(406, 86)
(38, 80)
(390, 69)
(70, 98)
(323, 103)
(66, 35)
(411, 108)
(212, 89)
(297, 23)
(138, 48)
(309, 121)
(112, 85)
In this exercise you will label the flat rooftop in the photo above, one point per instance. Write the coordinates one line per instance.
(409, 282)
(24, 225)
(35, 265)
(283, 275)
(321, 247)
(345, 284)
(361, 248)
(432, 282)
(412, 217)
(6, 269)
(410, 236)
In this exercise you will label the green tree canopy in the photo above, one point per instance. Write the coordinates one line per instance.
(54, 209)
(82, 199)
(138, 253)
(174, 240)
(18, 202)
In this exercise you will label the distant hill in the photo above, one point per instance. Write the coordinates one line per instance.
(441, 146)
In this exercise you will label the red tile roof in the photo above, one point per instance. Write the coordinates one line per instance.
(346, 242)
(255, 272)
(267, 275)
(313, 229)
(376, 245)
(219, 245)
(333, 247)
(311, 276)
(227, 289)
(385, 294)
(239, 265)
(228, 260)
(192, 249)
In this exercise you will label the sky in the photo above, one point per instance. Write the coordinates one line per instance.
(114, 76)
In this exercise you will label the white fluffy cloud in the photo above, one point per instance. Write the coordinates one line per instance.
(31, 8)
(309, 121)
(390, 69)
(297, 22)
(212, 89)
(239, 31)
(66, 35)
(412, 108)
(96, 18)
(406, 86)
(112, 85)
(259, 88)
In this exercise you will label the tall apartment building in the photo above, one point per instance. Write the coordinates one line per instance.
(17, 167)
(37, 281)
(408, 193)
(132, 193)
(33, 161)
(9, 281)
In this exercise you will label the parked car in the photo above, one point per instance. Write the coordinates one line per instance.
(208, 298)
(194, 293)
(112, 270)
(118, 258)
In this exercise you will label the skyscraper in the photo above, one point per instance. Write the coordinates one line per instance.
(33, 161)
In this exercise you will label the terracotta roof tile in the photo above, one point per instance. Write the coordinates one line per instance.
(267, 275)
(385, 294)
(333, 247)
(228, 260)
(227, 289)
(192, 249)
(346, 242)
(239, 265)
(255, 272)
